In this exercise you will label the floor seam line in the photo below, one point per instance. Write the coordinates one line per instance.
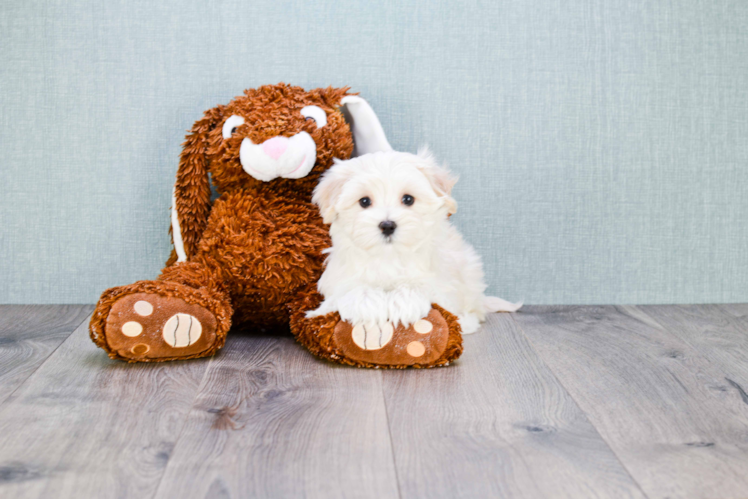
(389, 433)
(184, 425)
(87, 318)
(555, 377)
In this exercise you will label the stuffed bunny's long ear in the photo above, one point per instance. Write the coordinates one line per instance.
(368, 134)
(191, 195)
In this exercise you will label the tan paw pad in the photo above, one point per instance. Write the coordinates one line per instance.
(143, 308)
(423, 326)
(132, 329)
(416, 349)
(182, 330)
(371, 337)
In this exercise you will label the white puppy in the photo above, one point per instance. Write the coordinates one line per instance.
(394, 251)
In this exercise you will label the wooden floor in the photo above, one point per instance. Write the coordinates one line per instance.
(593, 401)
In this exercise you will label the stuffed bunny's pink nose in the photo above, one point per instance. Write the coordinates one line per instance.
(275, 147)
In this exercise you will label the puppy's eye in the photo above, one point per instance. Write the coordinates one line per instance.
(230, 126)
(365, 202)
(315, 113)
(408, 200)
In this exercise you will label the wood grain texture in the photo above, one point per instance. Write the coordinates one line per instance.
(496, 424)
(720, 334)
(29, 334)
(590, 401)
(271, 420)
(663, 407)
(737, 310)
(86, 426)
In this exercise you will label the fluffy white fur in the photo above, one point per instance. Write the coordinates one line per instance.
(372, 279)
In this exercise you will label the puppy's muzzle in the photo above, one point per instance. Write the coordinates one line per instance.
(387, 227)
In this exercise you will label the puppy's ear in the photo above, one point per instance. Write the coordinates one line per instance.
(368, 134)
(191, 196)
(328, 190)
(442, 181)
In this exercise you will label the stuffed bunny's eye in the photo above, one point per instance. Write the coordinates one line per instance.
(230, 126)
(315, 113)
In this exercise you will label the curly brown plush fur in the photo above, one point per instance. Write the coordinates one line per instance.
(269, 111)
(255, 254)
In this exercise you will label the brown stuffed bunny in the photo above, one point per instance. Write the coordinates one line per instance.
(255, 254)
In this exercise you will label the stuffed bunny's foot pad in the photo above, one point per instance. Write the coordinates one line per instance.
(151, 326)
(421, 344)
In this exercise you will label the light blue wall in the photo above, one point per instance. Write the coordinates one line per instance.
(602, 145)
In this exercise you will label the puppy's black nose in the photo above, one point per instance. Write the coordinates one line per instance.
(388, 227)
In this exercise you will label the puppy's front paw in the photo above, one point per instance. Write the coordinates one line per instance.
(406, 305)
(326, 307)
(469, 323)
(364, 306)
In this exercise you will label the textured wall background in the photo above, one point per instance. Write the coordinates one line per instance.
(602, 145)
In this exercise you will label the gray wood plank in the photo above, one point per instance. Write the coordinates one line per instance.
(29, 334)
(273, 421)
(661, 405)
(737, 310)
(86, 426)
(496, 424)
(717, 334)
